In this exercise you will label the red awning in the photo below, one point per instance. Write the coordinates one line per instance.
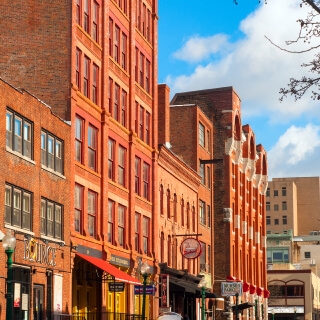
(107, 267)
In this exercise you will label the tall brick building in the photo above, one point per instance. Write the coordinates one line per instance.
(35, 200)
(239, 169)
(95, 63)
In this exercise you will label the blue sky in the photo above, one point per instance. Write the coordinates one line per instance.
(211, 44)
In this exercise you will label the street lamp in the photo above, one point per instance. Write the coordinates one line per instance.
(144, 272)
(9, 244)
(272, 314)
(295, 312)
(202, 284)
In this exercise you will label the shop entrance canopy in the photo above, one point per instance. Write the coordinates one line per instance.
(110, 269)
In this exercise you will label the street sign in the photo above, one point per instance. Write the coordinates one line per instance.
(116, 286)
(150, 289)
(231, 288)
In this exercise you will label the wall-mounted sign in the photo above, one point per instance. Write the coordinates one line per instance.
(191, 248)
(39, 252)
(164, 290)
(231, 288)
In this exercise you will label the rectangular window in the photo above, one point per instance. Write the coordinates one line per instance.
(86, 16)
(111, 150)
(268, 220)
(95, 78)
(141, 70)
(18, 207)
(123, 108)
(116, 43)
(209, 216)
(92, 209)
(307, 255)
(136, 66)
(141, 118)
(51, 152)
(137, 232)
(268, 206)
(284, 205)
(116, 102)
(202, 212)
(110, 91)
(202, 173)
(284, 191)
(147, 128)
(148, 69)
(92, 147)
(111, 207)
(78, 12)
(268, 192)
(78, 208)
(276, 207)
(275, 193)
(95, 21)
(79, 126)
(276, 222)
(78, 68)
(146, 181)
(19, 134)
(51, 219)
(110, 36)
(122, 165)
(86, 75)
(137, 175)
(145, 234)
(121, 225)
(201, 135)
(124, 51)
(284, 220)
(208, 177)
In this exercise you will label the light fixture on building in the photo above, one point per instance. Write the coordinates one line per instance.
(9, 244)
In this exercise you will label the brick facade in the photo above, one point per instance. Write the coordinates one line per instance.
(27, 174)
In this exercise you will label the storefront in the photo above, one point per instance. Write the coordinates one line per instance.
(100, 288)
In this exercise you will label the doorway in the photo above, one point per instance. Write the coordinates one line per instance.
(38, 302)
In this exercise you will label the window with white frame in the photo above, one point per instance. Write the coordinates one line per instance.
(51, 151)
(92, 212)
(201, 135)
(19, 134)
(51, 219)
(18, 206)
(121, 225)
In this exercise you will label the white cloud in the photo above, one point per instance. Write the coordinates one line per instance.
(198, 48)
(297, 150)
(253, 66)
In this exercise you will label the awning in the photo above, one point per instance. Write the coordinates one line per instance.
(110, 269)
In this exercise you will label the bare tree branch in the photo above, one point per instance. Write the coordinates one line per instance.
(286, 50)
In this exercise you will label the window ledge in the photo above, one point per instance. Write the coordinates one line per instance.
(20, 155)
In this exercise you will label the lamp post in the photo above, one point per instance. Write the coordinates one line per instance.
(202, 284)
(9, 244)
(272, 314)
(144, 272)
(295, 312)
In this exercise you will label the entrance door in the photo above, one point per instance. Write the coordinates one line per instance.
(38, 302)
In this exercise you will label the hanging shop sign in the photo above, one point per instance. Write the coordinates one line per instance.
(116, 286)
(35, 251)
(150, 289)
(231, 288)
(190, 248)
(164, 290)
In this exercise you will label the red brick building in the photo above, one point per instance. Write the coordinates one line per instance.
(35, 197)
(239, 169)
(95, 64)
